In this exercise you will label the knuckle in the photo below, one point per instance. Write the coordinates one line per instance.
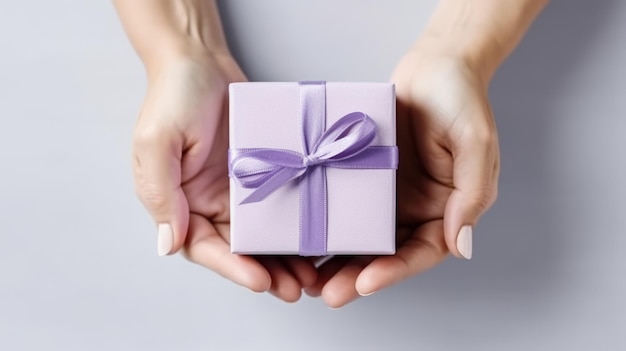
(150, 196)
(483, 135)
(483, 200)
(148, 136)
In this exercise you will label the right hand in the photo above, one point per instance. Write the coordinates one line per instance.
(447, 175)
(181, 173)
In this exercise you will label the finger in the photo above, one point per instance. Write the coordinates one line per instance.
(423, 250)
(157, 170)
(341, 288)
(475, 153)
(325, 271)
(206, 247)
(284, 285)
(303, 269)
(319, 261)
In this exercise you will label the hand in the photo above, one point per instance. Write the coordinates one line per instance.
(447, 176)
(181, 175)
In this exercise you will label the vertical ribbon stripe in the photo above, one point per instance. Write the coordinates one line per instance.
(313, 205)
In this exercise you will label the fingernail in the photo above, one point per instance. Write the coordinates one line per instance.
(464, 241)
(367, 294)
(165, 241)
(312, 293)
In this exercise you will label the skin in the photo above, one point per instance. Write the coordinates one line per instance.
(449, 155)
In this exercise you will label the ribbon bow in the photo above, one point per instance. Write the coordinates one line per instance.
(346, 144)
(268, 169)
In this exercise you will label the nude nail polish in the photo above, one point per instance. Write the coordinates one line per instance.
(464, 241)
(165, 240)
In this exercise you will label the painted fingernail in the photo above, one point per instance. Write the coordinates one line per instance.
(165, 240)
(464, 241)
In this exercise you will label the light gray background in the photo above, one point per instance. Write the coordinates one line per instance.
(78, 266)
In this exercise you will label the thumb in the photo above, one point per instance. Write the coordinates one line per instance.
(157, 171)
(475, 174)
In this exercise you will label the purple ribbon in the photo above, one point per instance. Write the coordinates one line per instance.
(346, 144)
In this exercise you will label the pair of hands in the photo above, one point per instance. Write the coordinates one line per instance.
(447, 177)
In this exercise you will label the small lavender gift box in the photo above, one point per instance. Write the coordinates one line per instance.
(312, 168)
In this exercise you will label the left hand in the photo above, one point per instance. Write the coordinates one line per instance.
(447, 176)
(181, 175)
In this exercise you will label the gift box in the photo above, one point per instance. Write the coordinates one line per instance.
(312, 168)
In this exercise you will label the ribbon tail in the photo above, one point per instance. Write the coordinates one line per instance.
(272, 184)
(374, 157)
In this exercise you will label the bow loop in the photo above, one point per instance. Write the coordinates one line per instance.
(349, 136)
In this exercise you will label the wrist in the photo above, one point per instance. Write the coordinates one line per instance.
(180, 29)
(478, 51)
(177, 49)
(481, 32)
